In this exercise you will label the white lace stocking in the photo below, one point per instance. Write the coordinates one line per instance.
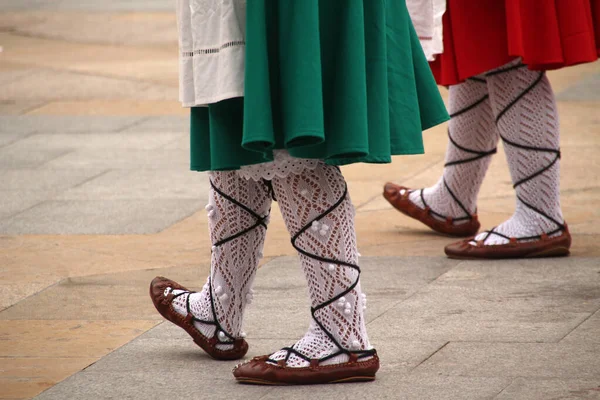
(302, 198)
(524, 105)
(473, 138)
(234, 262)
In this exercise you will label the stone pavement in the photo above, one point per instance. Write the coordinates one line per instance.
(96, 199)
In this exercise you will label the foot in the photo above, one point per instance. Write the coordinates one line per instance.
(313, 359)
(544, 245)
(261, 371)
(403, 199)
(190, 311)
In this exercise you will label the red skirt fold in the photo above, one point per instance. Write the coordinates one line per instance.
(480, 35)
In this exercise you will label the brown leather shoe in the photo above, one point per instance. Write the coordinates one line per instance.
(557, 246)
(161, 292)
(397, 196)
(259, 371)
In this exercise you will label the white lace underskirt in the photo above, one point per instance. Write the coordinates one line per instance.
(282, 166)
(427, 16)
(212, 48)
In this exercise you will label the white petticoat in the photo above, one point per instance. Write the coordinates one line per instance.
(212, 47)
(282, 166)
(427, 16)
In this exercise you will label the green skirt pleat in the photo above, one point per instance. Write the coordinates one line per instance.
(344, 81)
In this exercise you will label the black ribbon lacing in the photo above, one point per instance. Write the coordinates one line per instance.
(259, 221)
(477, 155)
(560, 226)
(357, 353)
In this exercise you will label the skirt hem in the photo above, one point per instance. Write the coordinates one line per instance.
(205, 102)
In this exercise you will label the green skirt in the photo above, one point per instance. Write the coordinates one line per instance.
(344, 81)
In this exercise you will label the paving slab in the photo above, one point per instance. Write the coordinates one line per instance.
(142, 184)
(163, 88)
(117, 158)
(181, 144)
(15, 202)
(185, 243)
(505, 301)
(400, 357)
(587, 332)
(391, 386)
(45, 352)
(89, 5)
(106, 297)
(103, 217)
(587, 89)
(280, 285)
(179, 124)
(136, 67)
(579, 122)
(171, 360)
(544, 389)
(196, 383)
(25, 4)
(564, 78)
(381, 276)
(535, 360)
(586, 228)
(485, 325)
(65, 124)
(272, 279)
(65, 256)
(557, 284)
(45, 180)
(11, 72)
(110, 107)
(15, 291)
(26, 377)
(18, 107)
(25, 274)
(100, 141)
(46, 85)
(19, 156)
(78, 338)
(139, 28)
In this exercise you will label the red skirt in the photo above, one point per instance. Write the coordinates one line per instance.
(480, 35)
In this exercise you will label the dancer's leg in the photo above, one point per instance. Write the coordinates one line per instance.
(527, 118)
(320, 217)
(237, 212)
(472, 139)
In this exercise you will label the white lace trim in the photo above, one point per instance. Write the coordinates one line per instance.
(282, 166)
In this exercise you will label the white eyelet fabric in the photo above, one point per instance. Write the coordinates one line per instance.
(212, 48)
(427, 16)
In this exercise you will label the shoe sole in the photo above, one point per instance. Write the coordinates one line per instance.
(556, 252)
(253, 381)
